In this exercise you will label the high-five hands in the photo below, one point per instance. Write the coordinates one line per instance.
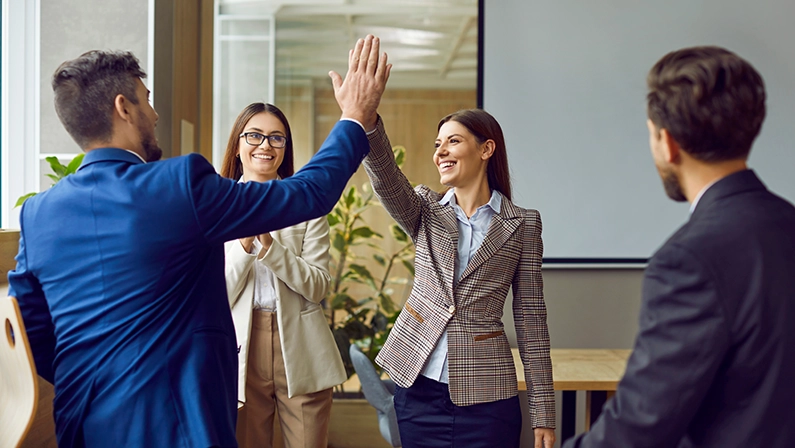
(359, 94)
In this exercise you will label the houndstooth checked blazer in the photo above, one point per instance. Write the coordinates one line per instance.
(480, 364)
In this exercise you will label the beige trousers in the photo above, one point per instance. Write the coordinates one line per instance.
(303, 419)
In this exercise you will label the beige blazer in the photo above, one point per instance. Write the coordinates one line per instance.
(299, 257)
(480, 363)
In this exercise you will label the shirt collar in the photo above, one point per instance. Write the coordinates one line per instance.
(495, 202)
(136, 155)
(242, 180)
(700, 194)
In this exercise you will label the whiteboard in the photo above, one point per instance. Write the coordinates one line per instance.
(567, 81)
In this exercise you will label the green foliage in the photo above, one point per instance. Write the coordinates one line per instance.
(367, 320)
(59, 172)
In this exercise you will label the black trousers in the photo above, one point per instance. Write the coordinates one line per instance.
(427, 418)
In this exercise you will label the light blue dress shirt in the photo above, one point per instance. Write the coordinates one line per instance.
(471, 233)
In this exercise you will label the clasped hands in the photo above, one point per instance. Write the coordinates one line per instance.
(265, 239)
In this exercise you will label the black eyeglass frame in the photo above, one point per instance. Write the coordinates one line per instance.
(270, 139)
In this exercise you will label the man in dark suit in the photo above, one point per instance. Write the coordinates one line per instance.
(713, 362)
(120, 271)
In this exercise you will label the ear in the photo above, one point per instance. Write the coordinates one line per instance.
(670, 147)
(487, 149)
(121, 106)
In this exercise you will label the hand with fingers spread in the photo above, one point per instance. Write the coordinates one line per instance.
(359, 94)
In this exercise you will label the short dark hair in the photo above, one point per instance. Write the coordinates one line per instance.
(484, 127)
(232, 167)
(85, 91)
(711, 101)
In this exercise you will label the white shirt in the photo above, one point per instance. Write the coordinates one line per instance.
(471, 233)
(264, 279)
(264, 282)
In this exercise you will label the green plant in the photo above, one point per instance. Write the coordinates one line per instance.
(368, 319)
(59, 172)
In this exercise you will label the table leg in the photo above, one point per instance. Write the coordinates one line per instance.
(568, 419)
(594, 401)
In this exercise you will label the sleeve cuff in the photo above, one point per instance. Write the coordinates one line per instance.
(360, 125)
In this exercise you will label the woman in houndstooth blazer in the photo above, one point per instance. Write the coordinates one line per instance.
(448, 352)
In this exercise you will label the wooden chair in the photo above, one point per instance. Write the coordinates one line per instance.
(18, 379)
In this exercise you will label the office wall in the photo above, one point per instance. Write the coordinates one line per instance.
(182, 76)
(69, 29)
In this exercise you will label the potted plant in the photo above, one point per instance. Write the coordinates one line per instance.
(59, 172)
(359, 305)
(9, 238)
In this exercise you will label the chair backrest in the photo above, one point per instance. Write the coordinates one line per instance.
(377, 394)
(18, 382)
(374, 390)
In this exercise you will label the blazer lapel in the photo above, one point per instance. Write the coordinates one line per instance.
(502, 226)
(446, 247)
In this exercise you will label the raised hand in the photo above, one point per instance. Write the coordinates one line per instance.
(359, 94)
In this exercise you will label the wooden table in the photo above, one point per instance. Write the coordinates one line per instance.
(595, 371)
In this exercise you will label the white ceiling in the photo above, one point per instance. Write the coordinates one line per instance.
(431, 43)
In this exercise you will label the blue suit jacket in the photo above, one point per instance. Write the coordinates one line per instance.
(120, 278)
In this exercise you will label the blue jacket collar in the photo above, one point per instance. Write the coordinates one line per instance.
(109, 155)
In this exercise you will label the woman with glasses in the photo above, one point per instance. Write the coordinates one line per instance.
(288, 359)
(448, 352)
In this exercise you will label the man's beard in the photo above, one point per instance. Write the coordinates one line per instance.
(149, 142)
(672, 186)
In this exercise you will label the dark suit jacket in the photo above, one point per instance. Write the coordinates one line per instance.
(120, 279)
(714, 361)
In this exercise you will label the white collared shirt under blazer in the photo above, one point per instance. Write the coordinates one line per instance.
(480, 363)
(299, 259)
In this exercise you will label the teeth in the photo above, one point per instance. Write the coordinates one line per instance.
(262, 156)
(447, 164)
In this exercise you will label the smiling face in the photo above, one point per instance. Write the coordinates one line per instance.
(260, 163)
(459, 157)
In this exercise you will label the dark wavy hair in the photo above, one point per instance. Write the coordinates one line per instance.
(85, 92)
(711, 101)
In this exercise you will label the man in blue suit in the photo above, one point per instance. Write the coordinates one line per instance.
(120, 271)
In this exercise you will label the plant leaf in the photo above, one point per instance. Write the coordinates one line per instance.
(379, 259)
(386, 303)
(332, 219)
(75, 164)
(350, 196)
(24, 198)
(363, 232)
(340, 300)
(409, 266)
(400, 155)
(339, 242)
(398, 233)
(57, 168)
(361, 271)
(54, 178)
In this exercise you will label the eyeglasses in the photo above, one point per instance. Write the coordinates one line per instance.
(256, 139)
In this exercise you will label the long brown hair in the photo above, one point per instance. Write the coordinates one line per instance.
(484, 127)
(232, 167)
